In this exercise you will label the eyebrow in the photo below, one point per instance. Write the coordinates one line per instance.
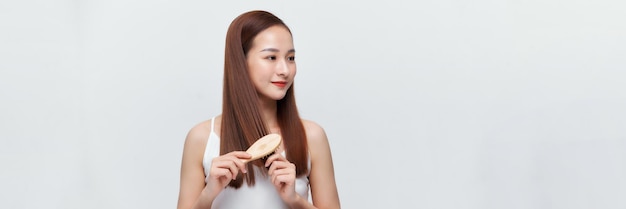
(276, 50)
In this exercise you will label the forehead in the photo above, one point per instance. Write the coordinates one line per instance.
(274, 37)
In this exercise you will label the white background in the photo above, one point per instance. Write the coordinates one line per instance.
(427, 104)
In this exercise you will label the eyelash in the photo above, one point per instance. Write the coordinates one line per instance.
(291, 58)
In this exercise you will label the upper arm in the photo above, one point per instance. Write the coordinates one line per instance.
(322, 175)
(192, 172)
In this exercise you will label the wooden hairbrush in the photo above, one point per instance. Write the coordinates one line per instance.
(263, 147)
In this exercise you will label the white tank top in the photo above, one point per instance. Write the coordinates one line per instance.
(261, 195)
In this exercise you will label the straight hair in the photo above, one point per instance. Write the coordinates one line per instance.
(242, 123)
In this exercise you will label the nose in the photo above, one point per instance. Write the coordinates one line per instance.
(283, 68)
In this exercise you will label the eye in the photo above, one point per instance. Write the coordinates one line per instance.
(291, 58)
(271, 57)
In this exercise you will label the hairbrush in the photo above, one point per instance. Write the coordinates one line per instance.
(263, 147)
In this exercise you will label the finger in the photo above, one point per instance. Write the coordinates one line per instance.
(230, 163)
(275, 166)
(227, 165)
(240, 154)
(285, 171)
(236, 157)
(239, 157)
(280, 180)
(274, 157)
(233, 169)
(241, 165)
(221, 175)
(283, 166)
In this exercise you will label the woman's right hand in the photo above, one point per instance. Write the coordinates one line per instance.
(223, 170)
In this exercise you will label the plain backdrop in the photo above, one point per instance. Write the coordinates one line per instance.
(427, 104)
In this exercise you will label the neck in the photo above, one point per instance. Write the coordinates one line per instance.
(268, 112)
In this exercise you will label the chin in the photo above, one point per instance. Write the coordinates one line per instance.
(274, 97)
(278, 97)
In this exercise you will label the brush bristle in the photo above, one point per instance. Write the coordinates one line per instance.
(268, 155)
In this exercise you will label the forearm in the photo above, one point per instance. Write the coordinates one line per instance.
(204, 201)
(301, 203)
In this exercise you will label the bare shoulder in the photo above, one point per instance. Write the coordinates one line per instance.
(322, 173)
(317, 141)
(199, 134)
(314, 132)
(192, 173)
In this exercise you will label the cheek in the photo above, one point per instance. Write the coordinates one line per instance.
(255, 70)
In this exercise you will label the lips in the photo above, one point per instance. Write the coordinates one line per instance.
(280, 84)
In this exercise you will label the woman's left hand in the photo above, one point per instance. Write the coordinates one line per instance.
(283, 176)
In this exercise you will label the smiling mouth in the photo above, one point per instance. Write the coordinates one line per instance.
(280, 84)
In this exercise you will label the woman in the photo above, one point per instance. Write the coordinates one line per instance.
(258, 100)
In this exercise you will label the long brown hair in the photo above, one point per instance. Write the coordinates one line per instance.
(242, 123)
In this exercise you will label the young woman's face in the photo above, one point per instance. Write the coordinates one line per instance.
(271, 62)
